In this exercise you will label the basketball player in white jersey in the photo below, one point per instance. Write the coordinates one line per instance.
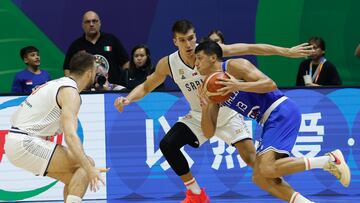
(231, 128)
(51, 109)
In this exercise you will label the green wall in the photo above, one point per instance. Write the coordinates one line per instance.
(17, 32)
(284, 23)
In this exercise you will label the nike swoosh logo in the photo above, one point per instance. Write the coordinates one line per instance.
(337, 160)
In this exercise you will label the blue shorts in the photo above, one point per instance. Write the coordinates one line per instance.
(281, 129)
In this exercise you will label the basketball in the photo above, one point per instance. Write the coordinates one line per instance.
(210, 87)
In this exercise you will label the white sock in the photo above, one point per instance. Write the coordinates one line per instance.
(316, 162)
(73, 199)
(298, 198)
(193, 186)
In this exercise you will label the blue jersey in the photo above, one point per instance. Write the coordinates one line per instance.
(252, 105)
(279, 116)
(25, 81)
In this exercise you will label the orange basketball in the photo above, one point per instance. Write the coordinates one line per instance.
(211, 88)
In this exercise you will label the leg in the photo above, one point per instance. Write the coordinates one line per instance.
(64, 178)
(264, 176)
(178, 136)
(75, 183)
(275, 186)
(63, 167)
(247, 151)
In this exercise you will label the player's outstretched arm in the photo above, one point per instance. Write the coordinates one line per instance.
(238, 49)
(152, 81)
(69, 101)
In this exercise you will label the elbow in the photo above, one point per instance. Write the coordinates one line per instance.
(270, 85)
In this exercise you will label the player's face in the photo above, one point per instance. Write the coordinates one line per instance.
(91, 24)
(186, 43)
(204, 63)
(32, 59)
(140, 57)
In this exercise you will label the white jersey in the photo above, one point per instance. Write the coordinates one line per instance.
(189, 79)
(39, 114)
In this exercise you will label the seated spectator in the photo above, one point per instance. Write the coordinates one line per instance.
(357, 51)
(28, 79)
(216, 36)
(139, 67)
(317, 70)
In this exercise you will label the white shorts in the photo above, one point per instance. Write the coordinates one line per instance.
(230, 132)
(30, 153)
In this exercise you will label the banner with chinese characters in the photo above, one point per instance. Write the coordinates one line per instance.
(330, 120)
(128, 143)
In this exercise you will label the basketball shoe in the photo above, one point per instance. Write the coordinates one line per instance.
(196, 198)
(338, 167)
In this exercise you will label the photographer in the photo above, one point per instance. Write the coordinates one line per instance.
(101, 78)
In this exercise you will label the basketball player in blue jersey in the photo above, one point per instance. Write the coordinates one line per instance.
(256, 96)
(180, 65)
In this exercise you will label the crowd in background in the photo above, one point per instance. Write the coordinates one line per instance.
(119, 71)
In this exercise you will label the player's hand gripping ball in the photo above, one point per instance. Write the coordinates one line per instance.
(210, 87)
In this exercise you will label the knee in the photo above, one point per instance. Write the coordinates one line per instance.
(268, 171)
(166, 146)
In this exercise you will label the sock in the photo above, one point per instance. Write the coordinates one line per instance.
(298, 198)
(73, 199)
(316, 162)
(193, 186)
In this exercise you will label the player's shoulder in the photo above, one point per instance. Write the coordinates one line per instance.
(237, 62)
(163, 65)
(164, 61)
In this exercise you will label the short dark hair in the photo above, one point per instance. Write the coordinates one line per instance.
(210, 48)
(319, 42)
(27, 50)
(182, 26)
(218, 33)
(81, 62)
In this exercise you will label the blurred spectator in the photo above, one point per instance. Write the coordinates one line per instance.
(317, 71)
(357, 51)
(27, 80)
(216, 36)
(140, 66)
(101, 79)
(103, 45)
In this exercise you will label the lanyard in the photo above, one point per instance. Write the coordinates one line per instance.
(316, 75)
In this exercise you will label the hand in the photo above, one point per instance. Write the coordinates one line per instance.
(301, 50)
(120, 102)
(231, 85)
(94, 177)
(204, 100)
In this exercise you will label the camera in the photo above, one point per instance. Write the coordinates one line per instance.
(100, 79)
